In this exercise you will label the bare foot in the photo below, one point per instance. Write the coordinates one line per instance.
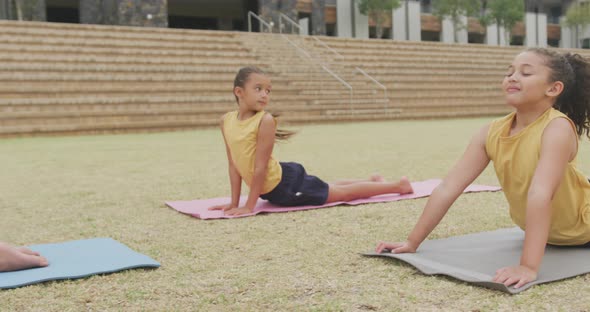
(405, 186)
(13, 259)
(377, 178)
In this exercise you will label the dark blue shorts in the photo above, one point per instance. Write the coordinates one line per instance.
(297, 188)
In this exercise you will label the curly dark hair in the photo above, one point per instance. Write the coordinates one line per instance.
(573, 71)
(240, 81)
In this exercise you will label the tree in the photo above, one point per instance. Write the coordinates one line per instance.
(504, 13)
(577, 16)
(377, 10)
(455, 9)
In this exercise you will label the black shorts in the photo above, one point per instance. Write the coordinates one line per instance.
(297, 188)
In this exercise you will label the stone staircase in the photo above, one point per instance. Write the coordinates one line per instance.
(74, 79)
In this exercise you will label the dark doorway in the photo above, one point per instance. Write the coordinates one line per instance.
(63, 11)
(210, 14)
(250, 5)
(193, 22)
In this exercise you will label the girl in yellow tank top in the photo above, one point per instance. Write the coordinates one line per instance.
(250, 134)
(534, 153)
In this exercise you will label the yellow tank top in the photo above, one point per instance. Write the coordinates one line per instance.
(241, 136)
(515, 160)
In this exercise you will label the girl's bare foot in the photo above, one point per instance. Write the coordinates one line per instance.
(405, 186)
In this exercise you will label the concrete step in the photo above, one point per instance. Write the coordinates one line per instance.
(102, 53)
(191, 122)
(413, 46)
(58, 63)
(174, 113)
(112, 29)
(107, 33)
(112, 43)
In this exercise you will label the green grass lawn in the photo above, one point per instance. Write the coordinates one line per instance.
(66, 188)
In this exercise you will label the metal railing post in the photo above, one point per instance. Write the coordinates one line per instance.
(288, 19)
(260, 20)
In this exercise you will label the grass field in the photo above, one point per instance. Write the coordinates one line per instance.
(65, 188)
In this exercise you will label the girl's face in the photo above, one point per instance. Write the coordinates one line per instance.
(527, 81)
(255, 94)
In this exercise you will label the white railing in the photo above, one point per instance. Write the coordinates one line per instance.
(338, 55)
(298, 48)
(374, 81)
(290, 21)
(346, 84)
(311, 59)
(260, 20)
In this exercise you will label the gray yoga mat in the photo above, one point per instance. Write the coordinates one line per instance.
(474, 258)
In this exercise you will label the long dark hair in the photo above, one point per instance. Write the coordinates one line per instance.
(240, 81)
(573, 71)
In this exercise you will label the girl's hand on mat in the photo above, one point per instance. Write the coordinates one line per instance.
(238, 211)
(225, 207)
(519, 275)
(404, 247)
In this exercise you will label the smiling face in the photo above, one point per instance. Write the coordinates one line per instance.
(255, 94)
(528, 82)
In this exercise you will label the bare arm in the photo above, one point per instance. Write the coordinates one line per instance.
(558, 147)
(469, 167)
(264, 146)
(235, 180)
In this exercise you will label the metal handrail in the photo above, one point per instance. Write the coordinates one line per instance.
(346, 84)
(342, 81)
(374, 80)
(260, 20)
(293, 23)
(327, 47)
(297, 47)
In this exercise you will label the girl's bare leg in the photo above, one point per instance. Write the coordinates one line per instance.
(366, 189)
(373, 178)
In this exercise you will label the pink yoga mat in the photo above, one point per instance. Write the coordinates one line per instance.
(198, 208)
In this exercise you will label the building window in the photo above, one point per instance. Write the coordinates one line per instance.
(426, 6)
(586, 43)
(554, 15)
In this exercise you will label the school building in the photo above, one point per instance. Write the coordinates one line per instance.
(341, 18)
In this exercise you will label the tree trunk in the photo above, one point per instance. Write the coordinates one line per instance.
(455, 28)
(498, 32)
(508, 37)
(378, 25)
(577, 36)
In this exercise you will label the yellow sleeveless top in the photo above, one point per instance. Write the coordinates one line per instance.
(241, 136)
(515, 159)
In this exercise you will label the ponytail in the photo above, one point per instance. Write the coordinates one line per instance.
(574, 72)
(575, 103)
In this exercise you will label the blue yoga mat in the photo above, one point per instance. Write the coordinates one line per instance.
(77, 259)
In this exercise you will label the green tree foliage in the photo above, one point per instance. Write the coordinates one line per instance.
(504, 13)
(455, 9)
(377, 10)
(577, 17)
